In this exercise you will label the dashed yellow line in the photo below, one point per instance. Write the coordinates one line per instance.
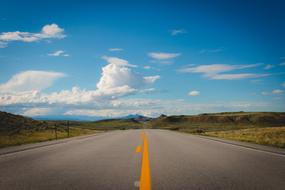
(138, 149)
(145, 180)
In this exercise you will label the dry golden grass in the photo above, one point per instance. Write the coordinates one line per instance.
(25, 137)
(274, 136)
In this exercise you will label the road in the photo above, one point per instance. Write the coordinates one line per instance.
(156, 159)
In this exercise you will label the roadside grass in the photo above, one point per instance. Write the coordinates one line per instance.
(111, 125)
(274, 136)
(32, 136)
(199, 127)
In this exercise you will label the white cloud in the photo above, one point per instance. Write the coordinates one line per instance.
(214, 68)
(117, 80)
(236, 76)
(162, 55)
(194, 93)
(93, 103)
(267, 67)
(216, 71)
(30, 81)
(58, 53)
(277, 91)
(115, 49)
(151, 79)
(282, 64)
(52, 31)
(283, 84)
(147, 67)
(178, 31)
(155, 107)
(118, 73)
(31, 112)
(49, 31)
(117, 61)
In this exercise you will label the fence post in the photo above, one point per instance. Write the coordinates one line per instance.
(55, 130)
(68, 132)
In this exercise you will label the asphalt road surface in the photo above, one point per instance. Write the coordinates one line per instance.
(142, 159)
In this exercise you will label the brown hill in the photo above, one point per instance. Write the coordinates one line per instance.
(224, 120)
(10, 123)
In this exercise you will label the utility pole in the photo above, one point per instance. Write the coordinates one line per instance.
(55, 130)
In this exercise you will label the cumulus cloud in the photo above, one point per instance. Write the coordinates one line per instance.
(48, 31)
(194, 93)
(30, 81)
(176, 32)
(119, 75)
(58, 53)
(217, 71)
(24, 90)
(115, 49)
(163, 55)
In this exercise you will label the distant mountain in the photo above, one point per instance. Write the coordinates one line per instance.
(68, 117)
(136, 117)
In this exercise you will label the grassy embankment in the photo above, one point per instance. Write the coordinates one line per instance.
(256, 127)
(32, 136)
(274, 136)
(16, 129)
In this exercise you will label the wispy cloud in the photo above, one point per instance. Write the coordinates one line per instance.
(48, 31)
(273, 92)
(58, 53)
(194, 93)
(163, 57)
(115, 49)
(32, 112)
(147, 67)
(283, 84)
(30, 81)
(277, 91)
(217, 71)
(282, 64)
(175, 32)
(269, 66)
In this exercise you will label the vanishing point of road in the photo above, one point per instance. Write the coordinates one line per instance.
(140, 159)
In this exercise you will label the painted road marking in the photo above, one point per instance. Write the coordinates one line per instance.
(138, 149)
(145, 180)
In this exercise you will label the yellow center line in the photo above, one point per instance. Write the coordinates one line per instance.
(145, 180)
(138, 149)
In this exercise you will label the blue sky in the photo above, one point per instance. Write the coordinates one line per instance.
(114, 58)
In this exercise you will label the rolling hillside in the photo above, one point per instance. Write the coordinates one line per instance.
(219, 121)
